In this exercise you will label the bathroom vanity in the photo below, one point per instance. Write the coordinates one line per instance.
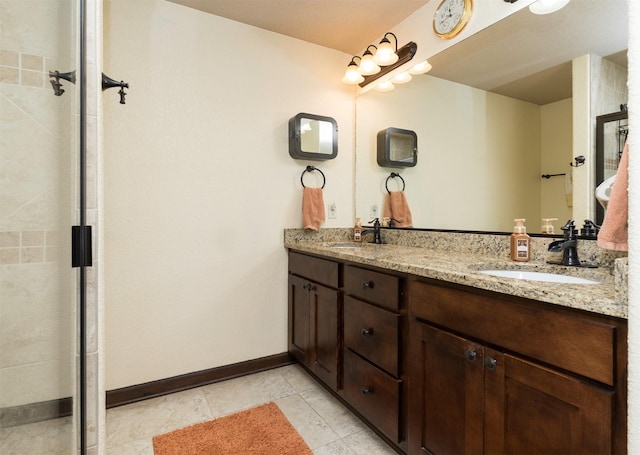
(438, 358)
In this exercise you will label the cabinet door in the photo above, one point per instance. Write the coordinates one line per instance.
(325, 337)
(446, 401)
(542, 411)
(299, 329)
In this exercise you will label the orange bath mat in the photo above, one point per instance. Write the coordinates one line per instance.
(261, 430)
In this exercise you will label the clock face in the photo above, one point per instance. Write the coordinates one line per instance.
(451, 17)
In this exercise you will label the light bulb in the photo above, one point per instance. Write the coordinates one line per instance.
(547, 6)
(367, 65)
(384, 86)
(402, 78)
(386, 54)
(421, 68)
(352, 76)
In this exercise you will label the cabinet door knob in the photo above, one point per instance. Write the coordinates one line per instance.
(490, 363)
(366, 332)
(471, 355)
(366, 391)
(367, 285)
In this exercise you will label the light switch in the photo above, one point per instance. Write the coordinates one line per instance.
(333, 211)
(375, 211)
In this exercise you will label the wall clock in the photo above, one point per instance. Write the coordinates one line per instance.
(451, 17)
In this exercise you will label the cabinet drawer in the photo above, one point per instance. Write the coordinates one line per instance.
(574, 342)
(372, 332)
(373, 393)
(371, 286)
(316, 269)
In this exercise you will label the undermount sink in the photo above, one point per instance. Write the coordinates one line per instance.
(539, 276)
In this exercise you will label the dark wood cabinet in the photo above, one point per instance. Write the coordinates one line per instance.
(471, 396)
(314, 316)
(438, 368)
(373, 374)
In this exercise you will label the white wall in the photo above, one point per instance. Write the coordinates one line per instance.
(466, 138)
(199, 185)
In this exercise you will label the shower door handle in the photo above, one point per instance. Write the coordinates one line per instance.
(81, 251)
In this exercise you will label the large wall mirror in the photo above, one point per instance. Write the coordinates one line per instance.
(496, 113)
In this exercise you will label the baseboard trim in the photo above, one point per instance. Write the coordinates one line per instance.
(14, 416)
(139, 392)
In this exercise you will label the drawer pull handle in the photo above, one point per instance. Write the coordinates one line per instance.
(366, 391)
(490, 363)
(309, 287)
(366, 332)
(367, 285)
(471, 355)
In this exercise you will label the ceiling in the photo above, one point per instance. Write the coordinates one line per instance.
(526, 56)
(345, 25)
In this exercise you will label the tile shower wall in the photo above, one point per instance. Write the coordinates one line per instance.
(37, 324)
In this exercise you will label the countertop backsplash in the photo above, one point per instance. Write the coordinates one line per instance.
(496, 245)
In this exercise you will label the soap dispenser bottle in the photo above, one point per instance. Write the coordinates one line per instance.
(519, 242)
(547, 227)
(357, 231)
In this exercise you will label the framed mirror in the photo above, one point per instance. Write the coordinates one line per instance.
(611, 134)
(313, 137)
(397, 148)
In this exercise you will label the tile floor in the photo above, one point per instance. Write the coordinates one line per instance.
(324, 423)
(51, 437)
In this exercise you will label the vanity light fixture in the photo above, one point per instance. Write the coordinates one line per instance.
(547, 6)
(386, 53)
(386, 59)
(368, 66)
(405, 54)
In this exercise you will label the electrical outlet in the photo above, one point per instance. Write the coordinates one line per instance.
(375, 212)
(333, 211)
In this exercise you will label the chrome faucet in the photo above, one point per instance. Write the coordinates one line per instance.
(568, 246)
(377, 238)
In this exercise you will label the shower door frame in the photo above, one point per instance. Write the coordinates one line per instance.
(82, 275)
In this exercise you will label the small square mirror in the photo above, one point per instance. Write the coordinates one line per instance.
(313, 137)
(397, 148)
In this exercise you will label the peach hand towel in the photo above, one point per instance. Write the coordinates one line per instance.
(397, 207)
(312, 208)
(614, 232)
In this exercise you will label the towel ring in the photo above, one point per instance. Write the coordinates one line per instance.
(393, 175)
(310, 169)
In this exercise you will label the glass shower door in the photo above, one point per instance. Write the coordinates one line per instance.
(39, 187)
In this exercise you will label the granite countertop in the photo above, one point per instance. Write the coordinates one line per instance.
(464, 268)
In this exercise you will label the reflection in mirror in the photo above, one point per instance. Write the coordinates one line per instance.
(611, 135)
(397, 148)
(313, 137)
(497, 111)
